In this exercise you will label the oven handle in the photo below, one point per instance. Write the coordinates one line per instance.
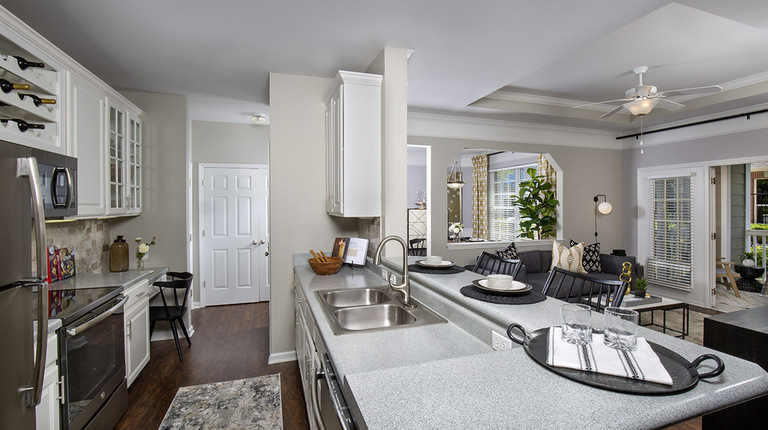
(83, 327)
(319, 375)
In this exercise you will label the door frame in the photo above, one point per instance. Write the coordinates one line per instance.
(200, 217)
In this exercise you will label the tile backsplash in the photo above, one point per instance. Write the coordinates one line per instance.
(90, 239)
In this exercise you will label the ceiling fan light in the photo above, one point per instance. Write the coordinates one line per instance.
(641, 106)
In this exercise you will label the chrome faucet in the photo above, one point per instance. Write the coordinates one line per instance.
(405, 287)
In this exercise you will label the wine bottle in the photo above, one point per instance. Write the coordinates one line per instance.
(24, 64)
(7, 86)
(23, 125)
(37, 100)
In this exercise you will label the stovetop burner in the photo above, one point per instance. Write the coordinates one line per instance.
(70, 304)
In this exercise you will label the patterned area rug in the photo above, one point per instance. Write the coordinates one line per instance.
(728, 302)
(253, 403)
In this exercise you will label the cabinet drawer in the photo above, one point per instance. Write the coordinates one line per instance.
(136, 293)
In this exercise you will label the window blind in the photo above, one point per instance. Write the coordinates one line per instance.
(671, 260)
(504, 216)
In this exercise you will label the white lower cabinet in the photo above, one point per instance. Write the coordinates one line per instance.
(47, 412)
(136, 320)
(306, 354)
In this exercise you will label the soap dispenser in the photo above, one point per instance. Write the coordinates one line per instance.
(118, 255)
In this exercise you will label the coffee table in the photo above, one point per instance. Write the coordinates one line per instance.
(664, 306)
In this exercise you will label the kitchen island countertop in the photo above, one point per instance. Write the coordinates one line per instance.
(441, 376)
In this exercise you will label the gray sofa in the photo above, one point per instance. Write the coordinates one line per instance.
(536, 266)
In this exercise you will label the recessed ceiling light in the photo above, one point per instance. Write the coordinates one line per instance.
(258, 118)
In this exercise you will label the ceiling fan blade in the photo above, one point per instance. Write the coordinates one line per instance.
(669, 105)
(604, 102)
(688, 91)
(618, 108)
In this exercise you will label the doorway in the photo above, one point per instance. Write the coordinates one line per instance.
(234, 241)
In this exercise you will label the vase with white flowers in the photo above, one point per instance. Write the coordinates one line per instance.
(455, 230)
(142, 251)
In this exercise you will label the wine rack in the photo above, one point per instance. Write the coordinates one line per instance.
(44, 83)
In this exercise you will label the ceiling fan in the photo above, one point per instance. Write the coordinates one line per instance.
(641, 99)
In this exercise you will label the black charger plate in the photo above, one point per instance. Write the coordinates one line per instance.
(684, 374)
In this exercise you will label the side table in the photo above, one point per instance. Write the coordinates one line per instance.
(748, 280)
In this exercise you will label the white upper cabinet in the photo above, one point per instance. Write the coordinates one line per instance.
(85, 127)
(353, 145)
(124, 138)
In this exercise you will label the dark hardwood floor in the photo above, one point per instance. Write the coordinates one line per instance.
(230, 342)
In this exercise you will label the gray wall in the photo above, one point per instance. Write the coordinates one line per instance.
(165, 181)
(417, 180)
(586, 172)
(297, 195)
(219, 142)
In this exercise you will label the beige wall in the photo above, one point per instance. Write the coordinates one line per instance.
(392, 63)
(297, 194)
(586, 172)
(219, 142)
(165, 185)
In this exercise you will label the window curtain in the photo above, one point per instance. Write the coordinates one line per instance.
(480, 197)
(547, 171)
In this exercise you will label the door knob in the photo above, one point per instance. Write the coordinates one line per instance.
(261, 242)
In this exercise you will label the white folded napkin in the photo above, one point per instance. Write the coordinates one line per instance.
(642, 363)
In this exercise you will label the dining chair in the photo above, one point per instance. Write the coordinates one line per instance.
(724, 269)
(489, 264)
(579, 288)
(179, 285)
(417, 247)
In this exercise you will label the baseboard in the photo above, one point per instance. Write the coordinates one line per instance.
(282, 357)
(167, 334)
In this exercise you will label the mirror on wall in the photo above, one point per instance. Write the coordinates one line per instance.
(480, 184)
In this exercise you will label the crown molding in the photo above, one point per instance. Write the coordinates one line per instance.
(459, 127)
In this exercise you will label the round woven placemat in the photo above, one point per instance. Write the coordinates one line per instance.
(449, 271)
(523, 299)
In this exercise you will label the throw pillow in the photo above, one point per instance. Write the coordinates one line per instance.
(509, 253)
(591, 258)
(569, 259)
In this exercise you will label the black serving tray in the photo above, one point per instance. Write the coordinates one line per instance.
(684, 374)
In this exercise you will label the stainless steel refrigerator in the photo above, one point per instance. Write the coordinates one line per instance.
(23, 298)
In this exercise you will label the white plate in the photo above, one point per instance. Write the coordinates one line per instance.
(514, 288)
(445, 264)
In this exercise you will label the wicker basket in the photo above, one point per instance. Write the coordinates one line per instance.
(331, 267)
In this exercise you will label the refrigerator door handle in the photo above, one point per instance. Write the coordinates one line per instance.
(28, 167)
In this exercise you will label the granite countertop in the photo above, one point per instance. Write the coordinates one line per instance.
(447, 376)
(109, 279)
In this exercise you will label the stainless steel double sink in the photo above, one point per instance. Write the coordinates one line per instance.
(371, 309)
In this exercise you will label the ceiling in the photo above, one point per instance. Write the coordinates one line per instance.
(515, 60)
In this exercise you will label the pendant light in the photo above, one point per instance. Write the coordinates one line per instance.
(455, 178)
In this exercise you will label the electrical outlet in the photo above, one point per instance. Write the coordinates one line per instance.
(385, 273)
(500, 342)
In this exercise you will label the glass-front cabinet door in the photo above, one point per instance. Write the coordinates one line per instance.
(117, 146)
(134, 164)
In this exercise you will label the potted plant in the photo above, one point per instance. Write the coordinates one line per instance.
(748, 259)
(537, 203)
(641, 287)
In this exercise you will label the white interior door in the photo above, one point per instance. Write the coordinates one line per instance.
(234, 237)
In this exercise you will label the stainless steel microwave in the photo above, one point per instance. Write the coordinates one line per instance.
(58, 183)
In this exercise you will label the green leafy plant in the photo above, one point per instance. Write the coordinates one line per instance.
(641, 284)
(748, 255)
(537, 203)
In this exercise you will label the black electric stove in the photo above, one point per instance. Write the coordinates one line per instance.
(71, 304)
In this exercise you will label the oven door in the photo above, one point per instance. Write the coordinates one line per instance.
(93, 361)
